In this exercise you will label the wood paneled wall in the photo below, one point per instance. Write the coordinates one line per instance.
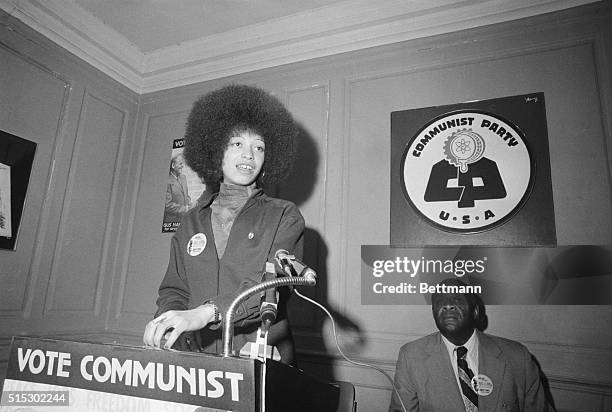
(57, 281)
(91, 254)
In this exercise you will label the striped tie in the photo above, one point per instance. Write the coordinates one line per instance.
(470, 398)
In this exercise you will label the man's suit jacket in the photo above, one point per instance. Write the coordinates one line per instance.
(177, 197)
(426, 382)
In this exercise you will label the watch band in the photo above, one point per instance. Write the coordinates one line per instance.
(217, 315)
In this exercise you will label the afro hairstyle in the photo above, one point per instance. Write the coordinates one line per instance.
(222, 112)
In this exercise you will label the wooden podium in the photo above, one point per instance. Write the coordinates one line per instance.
(100, 377)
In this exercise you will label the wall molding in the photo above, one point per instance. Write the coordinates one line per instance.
(33, 272)
(370, 378)
(90, 95)
(356, 24)
(383, 337)
(317, 222)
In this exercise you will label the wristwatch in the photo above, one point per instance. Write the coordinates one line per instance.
(216, 315)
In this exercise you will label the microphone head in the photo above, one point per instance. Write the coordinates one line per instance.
(310, 275)
(281, 254)
(282, 258)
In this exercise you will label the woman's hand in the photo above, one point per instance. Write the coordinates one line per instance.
(171, 324)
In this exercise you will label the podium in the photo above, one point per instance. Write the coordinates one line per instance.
(84, 376)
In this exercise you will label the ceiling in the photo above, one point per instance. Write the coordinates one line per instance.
(151, 45)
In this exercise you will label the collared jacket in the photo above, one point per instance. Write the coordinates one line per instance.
(177, 197)
(195, 274)
(425, 379)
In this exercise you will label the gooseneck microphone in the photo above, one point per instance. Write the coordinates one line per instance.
(228, 319)
(293, 266)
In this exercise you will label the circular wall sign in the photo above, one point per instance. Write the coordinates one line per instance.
(467, 171)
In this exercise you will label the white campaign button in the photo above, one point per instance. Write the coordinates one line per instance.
(482, 384)
(196, 244)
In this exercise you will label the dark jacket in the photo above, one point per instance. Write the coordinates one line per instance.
(263, 226)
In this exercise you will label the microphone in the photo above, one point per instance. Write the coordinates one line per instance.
(291, 265)
(269, 304)
(283, 259)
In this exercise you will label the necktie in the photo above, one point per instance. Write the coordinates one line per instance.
(470, 398)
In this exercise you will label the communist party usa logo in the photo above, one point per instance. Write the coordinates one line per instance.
(467, 171)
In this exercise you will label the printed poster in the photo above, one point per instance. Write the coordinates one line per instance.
(5, 200)
(16, 161)
(183, 189)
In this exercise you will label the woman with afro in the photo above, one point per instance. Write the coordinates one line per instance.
(237, 139)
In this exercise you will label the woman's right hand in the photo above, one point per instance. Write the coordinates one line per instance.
(171, 324)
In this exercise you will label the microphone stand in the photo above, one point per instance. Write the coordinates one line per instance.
(309, 279)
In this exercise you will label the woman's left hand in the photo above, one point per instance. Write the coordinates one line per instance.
(174, 322)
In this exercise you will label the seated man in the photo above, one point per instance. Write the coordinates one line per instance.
(462, 369)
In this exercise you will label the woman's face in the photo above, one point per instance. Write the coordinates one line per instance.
(243, 158)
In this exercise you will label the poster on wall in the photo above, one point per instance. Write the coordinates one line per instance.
(5, 201)
(475, 173)
(16, 158)
(183, 189)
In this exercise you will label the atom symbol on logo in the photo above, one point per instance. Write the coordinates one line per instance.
(463, 146)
